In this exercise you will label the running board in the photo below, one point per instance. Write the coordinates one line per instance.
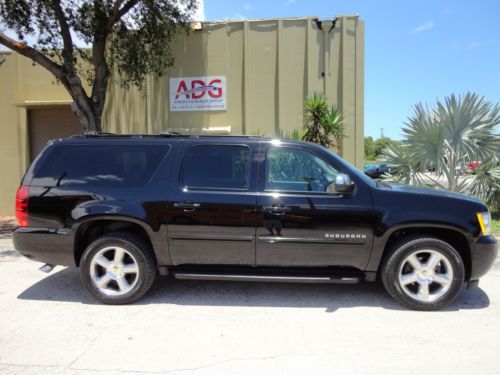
(268, 278)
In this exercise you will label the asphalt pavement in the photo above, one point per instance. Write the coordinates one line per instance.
(50, 325)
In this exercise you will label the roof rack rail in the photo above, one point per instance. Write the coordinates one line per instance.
(96, 134)
(168, 133)
(163, 134)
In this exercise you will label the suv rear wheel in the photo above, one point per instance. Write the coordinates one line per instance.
(118, 268)
(423, 273)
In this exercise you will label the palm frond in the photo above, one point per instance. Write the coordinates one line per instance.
(484, 181)
(449, 135)
(323, 125)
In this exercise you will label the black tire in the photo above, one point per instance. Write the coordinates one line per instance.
(397, 273)
(137, 256)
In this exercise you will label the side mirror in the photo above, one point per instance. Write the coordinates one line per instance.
(343, 184)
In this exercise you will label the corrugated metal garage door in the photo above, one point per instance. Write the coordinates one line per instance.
(47, 124)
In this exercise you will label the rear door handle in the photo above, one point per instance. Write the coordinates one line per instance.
(277, 209)
(187, 205)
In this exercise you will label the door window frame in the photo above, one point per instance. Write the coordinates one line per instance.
(263, 172)
(252, 170)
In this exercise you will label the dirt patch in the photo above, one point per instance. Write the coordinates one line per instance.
(7, 224)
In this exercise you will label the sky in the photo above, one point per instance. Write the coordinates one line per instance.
(415, 51)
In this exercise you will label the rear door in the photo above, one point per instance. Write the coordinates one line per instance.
(212, 205)
(301, 222)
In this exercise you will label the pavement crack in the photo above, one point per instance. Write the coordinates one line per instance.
(70, 365)
(256, 358)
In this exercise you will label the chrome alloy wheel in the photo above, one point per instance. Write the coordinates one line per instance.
(425, 275)
(114, 271)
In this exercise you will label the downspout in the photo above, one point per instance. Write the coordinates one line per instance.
(326, 61)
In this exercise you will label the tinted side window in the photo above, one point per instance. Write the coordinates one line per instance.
(217, 167)
(99, 165)
(293, 169)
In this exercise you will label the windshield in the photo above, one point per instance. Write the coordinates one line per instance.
(352, 169)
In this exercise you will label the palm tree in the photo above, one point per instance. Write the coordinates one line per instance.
(444, 138)
(323, 125)
(407, 169)
(485, 181)
(334, 127)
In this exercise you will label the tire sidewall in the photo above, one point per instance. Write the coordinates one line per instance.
(136, 292)
(393, 265)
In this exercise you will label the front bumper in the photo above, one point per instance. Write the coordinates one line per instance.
(483, 256)
(46, 245)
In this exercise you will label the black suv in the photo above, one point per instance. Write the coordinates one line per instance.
(125, 208)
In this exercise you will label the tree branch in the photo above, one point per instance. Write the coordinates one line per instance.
(65, 32)
(119, 13)
(129, 5)
(68, 47)
(116, 7)
(31, 53)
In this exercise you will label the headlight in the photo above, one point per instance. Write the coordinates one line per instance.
(484, 219)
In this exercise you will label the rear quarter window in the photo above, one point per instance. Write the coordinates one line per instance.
(99, 165)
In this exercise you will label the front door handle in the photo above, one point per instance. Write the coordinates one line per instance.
(187, 206)
(277, 209)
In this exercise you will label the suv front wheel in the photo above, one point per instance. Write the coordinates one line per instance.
(423, 273)
(118, 268)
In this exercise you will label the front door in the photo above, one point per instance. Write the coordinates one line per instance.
(299, 223)
(212, 205)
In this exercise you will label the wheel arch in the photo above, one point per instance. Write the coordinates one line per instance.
(90, 229)
(456, 237)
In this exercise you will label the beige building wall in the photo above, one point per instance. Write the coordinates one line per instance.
(12, 127)
(270, 67)
(24, 89)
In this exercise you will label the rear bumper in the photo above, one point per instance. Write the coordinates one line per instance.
(53, 246)
(483, 256)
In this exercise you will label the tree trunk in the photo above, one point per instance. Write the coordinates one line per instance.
(86, 110)
(88, 121)
(101, 79)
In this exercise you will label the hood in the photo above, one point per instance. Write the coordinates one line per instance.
(435, 192)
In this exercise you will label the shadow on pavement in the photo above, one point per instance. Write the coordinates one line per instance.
(7, 225)
(65, 286)
(9, 254)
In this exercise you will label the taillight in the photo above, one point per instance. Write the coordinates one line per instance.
(22, 205)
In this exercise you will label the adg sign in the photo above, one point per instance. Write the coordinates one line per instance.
(198, 93)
